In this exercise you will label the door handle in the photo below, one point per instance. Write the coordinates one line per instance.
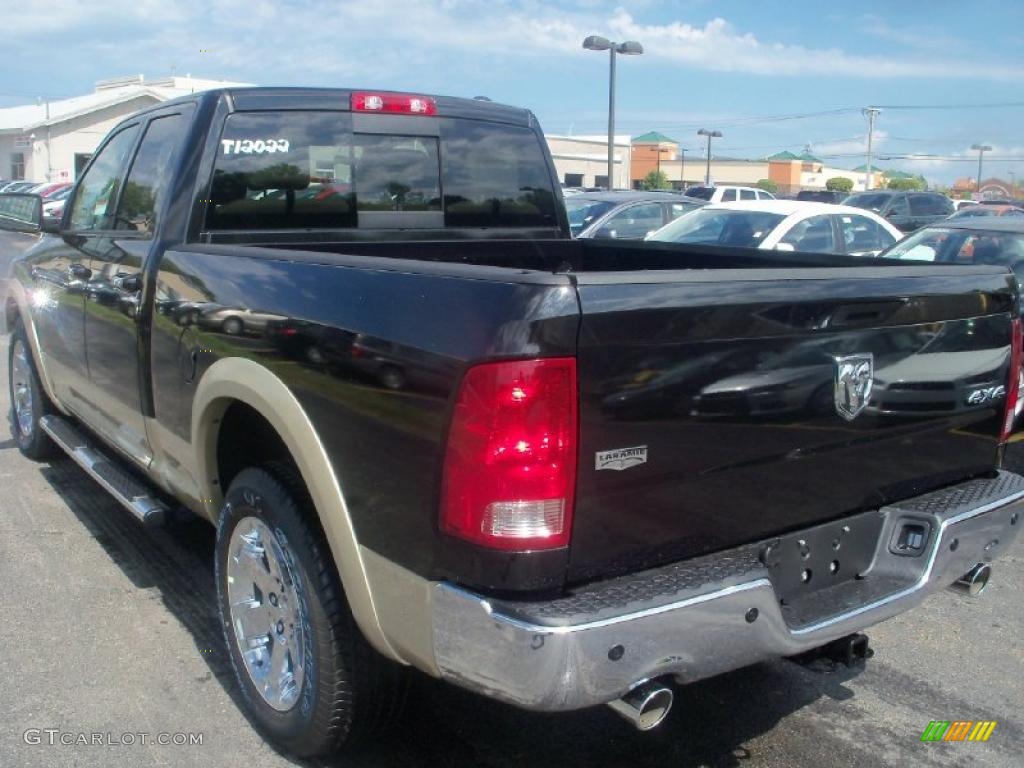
(79, 272)
(128, 283)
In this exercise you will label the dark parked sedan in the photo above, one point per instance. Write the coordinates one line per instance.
(821, 196)
(908, 211)
(625, 215)
(973, 240)
(981, 211)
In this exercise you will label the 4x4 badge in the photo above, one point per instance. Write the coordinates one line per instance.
(854, 379)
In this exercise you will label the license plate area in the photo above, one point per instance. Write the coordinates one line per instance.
(823, 556)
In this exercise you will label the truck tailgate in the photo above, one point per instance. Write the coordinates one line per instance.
(710, 400)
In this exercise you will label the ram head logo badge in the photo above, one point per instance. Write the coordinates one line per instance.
(854, 379)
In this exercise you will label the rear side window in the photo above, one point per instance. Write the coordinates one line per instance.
(147, 180)
(930, 205)
(747, 194)
(812, 235)
(494, 176)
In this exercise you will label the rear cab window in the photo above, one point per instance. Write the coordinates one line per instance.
(312, 170)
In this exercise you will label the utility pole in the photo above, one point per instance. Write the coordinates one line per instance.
(707, 166)
(981, 149)
(682, 168)
(871, 113)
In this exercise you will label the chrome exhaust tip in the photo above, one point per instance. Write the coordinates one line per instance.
(645, 706)
(975, 580)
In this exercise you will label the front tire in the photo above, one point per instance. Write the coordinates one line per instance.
(308, 677)
(28, 401)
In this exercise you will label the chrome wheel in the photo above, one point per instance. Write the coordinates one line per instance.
(267, 613)
(21, 389)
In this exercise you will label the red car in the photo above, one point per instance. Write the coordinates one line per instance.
(1001, 209)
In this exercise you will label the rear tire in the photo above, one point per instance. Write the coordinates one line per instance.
(337, 689)
(28, 401)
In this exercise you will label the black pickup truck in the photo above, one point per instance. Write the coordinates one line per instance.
(351, 330)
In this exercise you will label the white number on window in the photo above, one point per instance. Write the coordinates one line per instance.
(254, 146)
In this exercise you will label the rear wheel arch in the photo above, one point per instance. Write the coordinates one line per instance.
(238, 383)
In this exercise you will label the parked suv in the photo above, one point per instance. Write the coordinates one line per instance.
(908, 211)
(728, 193)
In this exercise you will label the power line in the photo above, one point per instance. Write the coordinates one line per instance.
(989, 105)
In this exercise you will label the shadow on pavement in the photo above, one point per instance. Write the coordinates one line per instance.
(443, 725)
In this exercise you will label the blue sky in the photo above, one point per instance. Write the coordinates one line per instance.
(722, 64)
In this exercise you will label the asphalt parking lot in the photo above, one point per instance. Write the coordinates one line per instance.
(108, 628)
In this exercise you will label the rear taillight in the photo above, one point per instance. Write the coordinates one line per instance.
(393, 103)
(1013, 384)
(510, 464)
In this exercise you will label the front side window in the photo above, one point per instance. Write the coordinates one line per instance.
(812, 235)
(728, 195)
(898, 207)
(150, 172)
(634, 222)
(584, 211)
(98, 190)
(871, 201)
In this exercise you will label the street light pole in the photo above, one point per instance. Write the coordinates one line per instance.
(628, 48)
(871, 113)
(707, 166)
(611, 118)
(981, 150)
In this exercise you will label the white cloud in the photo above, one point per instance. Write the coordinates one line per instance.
(852, 146)
(277, 40)
(719, 46)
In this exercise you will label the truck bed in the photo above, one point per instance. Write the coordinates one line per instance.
(719, 363)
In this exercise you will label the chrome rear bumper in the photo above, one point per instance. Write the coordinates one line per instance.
(550, 662)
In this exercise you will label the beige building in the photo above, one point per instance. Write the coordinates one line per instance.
(53, 141)
(582, 161)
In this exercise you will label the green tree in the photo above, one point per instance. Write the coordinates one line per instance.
(912, 184)
(839, 184)
(768, 186)
(655, 180)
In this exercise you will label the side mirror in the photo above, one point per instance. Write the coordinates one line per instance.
(787, 247)
(21, 212)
